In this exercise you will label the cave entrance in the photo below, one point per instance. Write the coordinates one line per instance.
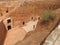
(9, 21)
(9, 27)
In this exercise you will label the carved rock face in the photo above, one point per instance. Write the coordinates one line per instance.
(3, 32)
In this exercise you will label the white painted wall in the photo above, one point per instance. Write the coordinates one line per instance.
(29, 26)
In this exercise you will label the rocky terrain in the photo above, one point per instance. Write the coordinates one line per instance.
(23, 11)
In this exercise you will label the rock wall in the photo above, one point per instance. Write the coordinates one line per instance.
(3, 32)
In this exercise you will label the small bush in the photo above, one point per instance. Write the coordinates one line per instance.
(47, 17)
(51, 17)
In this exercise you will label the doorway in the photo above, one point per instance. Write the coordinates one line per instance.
(8, 27)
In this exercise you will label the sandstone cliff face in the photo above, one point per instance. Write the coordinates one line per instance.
(3, 32)
(25, 12)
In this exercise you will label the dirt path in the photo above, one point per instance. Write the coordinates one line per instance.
(53, 37)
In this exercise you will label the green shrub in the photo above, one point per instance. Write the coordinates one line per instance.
(48, 16)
